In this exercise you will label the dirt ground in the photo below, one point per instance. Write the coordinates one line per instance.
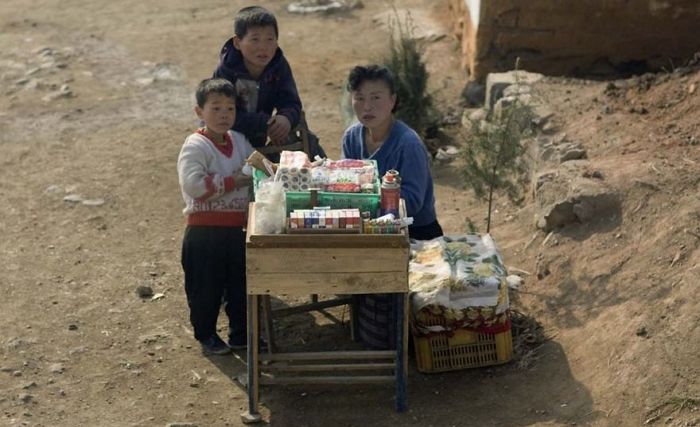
(95, 101)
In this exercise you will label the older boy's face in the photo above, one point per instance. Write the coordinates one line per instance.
(258, 46)
(218, 113)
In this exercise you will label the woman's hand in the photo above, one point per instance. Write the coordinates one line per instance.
(278, 129)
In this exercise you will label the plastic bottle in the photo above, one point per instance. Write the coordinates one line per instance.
(390, 193)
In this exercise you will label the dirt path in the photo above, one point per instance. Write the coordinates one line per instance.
(95, 102)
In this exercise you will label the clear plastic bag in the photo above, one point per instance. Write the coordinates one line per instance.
(270, 208)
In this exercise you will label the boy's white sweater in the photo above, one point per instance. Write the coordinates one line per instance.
(206, 172)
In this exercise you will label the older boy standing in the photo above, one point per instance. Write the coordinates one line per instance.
(216, 195)
(254, 63)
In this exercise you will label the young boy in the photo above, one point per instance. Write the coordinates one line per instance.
(254, 63)
(215, 191)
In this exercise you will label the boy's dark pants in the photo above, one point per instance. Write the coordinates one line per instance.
(213, 259)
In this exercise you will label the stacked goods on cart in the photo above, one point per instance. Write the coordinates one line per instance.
(313, 188)
(337, 220)
(459, 303)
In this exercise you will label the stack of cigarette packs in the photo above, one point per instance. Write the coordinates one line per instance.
(325, 218)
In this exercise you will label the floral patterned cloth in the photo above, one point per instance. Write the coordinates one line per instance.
(458, 282)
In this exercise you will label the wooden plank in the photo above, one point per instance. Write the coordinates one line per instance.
(304, 308)
(330, 367)
(329, 355)
(336, 283)
(327, 241)
(253, 359)
(401, 351)
(375, 379)
(326, 261)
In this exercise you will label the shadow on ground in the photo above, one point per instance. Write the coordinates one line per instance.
(494, 396)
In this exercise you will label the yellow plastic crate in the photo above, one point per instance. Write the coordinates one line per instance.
(463, 349)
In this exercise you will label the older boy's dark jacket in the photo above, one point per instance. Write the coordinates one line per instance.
(276, 90)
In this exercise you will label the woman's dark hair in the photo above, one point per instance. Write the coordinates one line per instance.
(360, 74)
(209, 86)
(253, 16)
(370, 72)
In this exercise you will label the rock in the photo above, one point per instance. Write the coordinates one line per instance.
(145, 81)
(446, 154)
(473, 94)
(44, 51)
(93, 202)
(157, 296)
(56, 368)
(144, 291)
(166, 72)
(568, 198)
(496, 83)
(320, 6)
(471, 116)
(63, 92)
(549, 128)
(642, 331)
(507, 101)
(73, 198)
(72, 327)
(514, 282)
(572, 154)
(29, 385)
(181, 425)
(52, 189)
(25, 397)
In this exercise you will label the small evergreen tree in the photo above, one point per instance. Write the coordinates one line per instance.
(494, 154)
(415, 105)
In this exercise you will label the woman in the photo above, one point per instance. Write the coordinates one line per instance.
(394, 145)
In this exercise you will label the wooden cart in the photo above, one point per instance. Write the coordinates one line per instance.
(303, 264)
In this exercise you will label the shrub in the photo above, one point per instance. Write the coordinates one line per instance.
(494, 153)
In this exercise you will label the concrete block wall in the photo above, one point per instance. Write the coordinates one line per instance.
(559, 37)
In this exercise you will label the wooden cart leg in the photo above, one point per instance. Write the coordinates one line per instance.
(401, 350)
(353, 319)
(268, 323)
(252, 415)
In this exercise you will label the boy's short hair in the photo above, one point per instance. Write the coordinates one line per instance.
(209, 86)
(253, 16)
(361, 73)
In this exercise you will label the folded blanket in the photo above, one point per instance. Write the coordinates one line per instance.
(458, 281)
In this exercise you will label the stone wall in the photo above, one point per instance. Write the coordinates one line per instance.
(592, 37)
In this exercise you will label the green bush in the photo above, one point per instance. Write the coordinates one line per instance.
(494, 154)
(415, 105)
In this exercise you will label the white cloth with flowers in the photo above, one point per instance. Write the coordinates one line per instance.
(456, 273)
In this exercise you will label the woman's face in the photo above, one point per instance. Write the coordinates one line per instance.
(372, 103)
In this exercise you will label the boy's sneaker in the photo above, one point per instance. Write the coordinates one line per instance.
(214, 345)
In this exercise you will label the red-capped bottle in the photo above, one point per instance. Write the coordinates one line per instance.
(390, 193)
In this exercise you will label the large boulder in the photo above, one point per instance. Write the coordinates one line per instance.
(565, 196)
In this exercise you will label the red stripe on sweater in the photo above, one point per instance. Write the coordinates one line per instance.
(228, 184)
(211, 189)
(222, 219)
